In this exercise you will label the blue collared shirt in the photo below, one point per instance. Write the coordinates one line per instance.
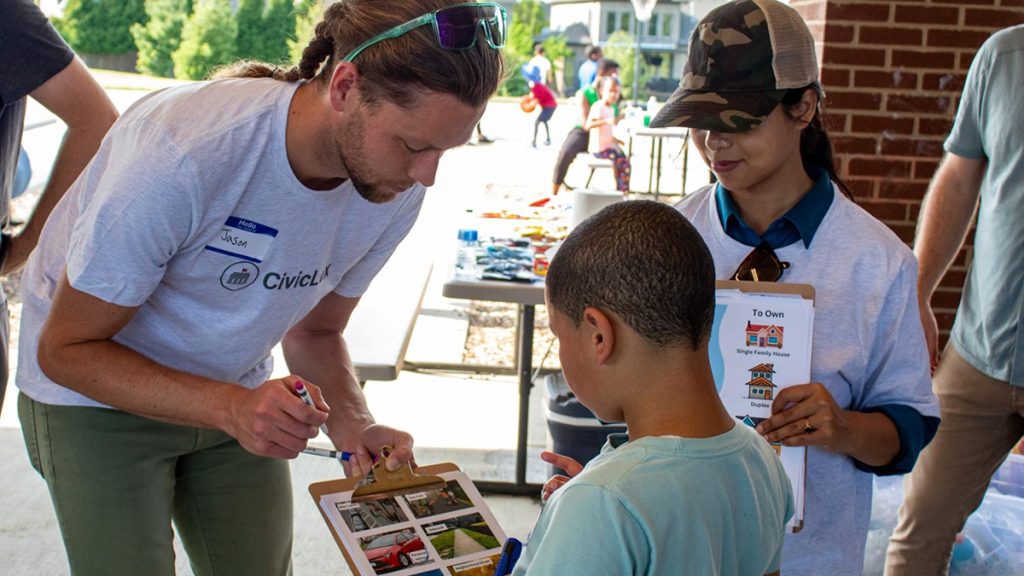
(800, 223)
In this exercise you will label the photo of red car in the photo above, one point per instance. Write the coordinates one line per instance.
(394, 551)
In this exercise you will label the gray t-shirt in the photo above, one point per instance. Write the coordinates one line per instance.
(990, 321)
(191, 212)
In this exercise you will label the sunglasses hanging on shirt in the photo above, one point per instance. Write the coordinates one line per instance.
(761, 265)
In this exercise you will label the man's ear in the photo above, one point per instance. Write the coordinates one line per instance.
(600, 334)
(343, 80)
(807, 107)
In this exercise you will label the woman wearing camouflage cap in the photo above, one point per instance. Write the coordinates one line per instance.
(751, 95)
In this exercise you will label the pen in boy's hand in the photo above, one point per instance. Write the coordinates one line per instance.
(300, 389)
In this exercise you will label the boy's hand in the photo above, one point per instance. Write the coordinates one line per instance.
(571, 467)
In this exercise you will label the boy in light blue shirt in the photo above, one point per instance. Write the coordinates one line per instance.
(689, 490)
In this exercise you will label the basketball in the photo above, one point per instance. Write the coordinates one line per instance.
(527, 104)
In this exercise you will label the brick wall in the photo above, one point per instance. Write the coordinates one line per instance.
(893, 72)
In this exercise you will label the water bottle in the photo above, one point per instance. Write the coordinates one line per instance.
(465, 258)
(652, 108)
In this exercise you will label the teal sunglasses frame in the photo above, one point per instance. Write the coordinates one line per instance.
(500, 14)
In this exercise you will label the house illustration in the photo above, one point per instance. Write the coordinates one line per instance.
(763, 336)
(760, 384)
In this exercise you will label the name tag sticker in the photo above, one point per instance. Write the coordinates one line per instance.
(243, 239)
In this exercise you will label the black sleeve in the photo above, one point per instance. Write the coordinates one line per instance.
(31, 51)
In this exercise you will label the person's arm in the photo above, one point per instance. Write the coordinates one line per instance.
(76, 350)
(946, 216)
(315, 350)
(75, 97)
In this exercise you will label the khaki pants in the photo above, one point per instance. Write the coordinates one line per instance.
(982, 420)
(117, 481)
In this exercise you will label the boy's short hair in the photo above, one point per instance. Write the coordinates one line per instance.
(646, 263)
(606, 66)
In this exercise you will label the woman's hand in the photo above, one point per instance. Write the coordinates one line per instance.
(807, 415)
(571, 467)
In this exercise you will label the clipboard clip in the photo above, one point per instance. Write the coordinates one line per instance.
(380, 483)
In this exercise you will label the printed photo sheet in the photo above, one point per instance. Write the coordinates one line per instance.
(445, 531)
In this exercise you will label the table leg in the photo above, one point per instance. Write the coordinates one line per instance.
(650, 172)
(657, 178)
(686, 161)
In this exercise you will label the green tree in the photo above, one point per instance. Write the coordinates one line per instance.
(528, 22)
(279, 24)
(160, 36)
(621, 47)
(207, 40)
(249, 40)
(308, 13)
(100, 26)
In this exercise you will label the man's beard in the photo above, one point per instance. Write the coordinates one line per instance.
(350, 152)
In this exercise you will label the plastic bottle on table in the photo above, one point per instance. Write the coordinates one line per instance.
(465, 258)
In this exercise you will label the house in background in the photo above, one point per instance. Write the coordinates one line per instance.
(664, 39)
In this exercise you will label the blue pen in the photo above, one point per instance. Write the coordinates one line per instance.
(300, 389)
(509, 555)
(340, 455)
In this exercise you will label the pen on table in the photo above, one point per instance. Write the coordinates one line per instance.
(300, 389)
(509, 555)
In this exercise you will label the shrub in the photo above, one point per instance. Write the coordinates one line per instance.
(207, 40)
(100, 26)
(160, 36)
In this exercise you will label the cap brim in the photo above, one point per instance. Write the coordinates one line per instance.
(717, 111)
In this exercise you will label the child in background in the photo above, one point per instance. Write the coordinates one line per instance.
(689, 490)
(543, 96)
(603, 119)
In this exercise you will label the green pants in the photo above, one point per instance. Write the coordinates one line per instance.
(117, 481)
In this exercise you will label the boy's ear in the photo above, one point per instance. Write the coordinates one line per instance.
(600, 334)
(343, 79)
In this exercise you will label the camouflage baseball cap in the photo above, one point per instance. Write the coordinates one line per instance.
(744, 56)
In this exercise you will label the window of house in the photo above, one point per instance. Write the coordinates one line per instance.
(666, 25)
(624, 20)
(652, 25)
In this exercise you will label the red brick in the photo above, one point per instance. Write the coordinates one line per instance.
(953, 279)
(1012, 3)
(925, 169)
(948, 82)
(885, 79)
(880, 124)
(854, 56)
(904, 231)
(852, 145)
(886, 211)
(920, 104)
(835, 77)
(853, 100)
(858, 12)
(956, 38)
(904, 190)
(913, 211)
(880, 168)
(964, 60)
(917, 147)
(836, 33)
(949, 299)
(993, 18)
(945, 319)
(890, 36)
(860, 188)
(965, 2)
(835, 122)
(923, 59)
(927, 15)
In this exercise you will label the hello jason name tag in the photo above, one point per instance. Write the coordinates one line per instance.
(243, 239)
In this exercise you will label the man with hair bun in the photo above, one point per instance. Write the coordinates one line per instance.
(217, 220)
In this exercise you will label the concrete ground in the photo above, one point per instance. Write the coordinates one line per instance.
(467, 419)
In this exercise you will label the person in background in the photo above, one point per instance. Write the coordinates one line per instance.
(578, 139)
(603, 118)
(217, 220)
(688, 490)
(541, 63)
(588, 69)
(36, 62)
(541, 96)
(780, 213)
(980, 390)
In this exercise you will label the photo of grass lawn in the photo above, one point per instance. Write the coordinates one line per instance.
(461, 536)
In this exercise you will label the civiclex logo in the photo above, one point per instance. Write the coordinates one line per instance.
(239, 275)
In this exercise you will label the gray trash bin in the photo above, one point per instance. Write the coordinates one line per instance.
(573, 430)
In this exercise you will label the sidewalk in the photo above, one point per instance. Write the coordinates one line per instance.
(468, 419)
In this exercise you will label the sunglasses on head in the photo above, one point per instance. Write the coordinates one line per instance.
(455, 27)
(761, 265)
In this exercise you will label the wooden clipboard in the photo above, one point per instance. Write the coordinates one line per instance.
(805, 291)
(384, 484)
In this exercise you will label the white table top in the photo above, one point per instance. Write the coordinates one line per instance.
(528, 293)
(669, 132)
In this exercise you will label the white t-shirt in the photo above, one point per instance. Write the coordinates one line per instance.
(868, 351)
(190, 211)
(543, 66)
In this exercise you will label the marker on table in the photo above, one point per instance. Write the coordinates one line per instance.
(300, 389)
